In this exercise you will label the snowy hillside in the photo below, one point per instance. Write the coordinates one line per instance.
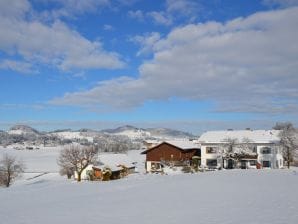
(141, 133)
(26, 135)
(22, 130)
(72, 135)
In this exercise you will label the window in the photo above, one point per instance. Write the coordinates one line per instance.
(211, 162)
(210, 150)
(266, 164)
(252, 162)
(266, 150)
(254, 149)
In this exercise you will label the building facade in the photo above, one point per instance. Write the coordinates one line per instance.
(241, 149)
(179, 153)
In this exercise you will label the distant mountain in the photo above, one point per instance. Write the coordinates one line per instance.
(24, 133)
(22, 129)
(121, 129)
(60, 130)
(86, 130)
(129, 131)
(134, 132)
(171, 133)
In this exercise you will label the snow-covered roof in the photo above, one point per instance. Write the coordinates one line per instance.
(152, 141)
(114, 160)
(255, 136)
(183, 144)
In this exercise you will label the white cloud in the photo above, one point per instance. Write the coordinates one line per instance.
(23, 106)
(108, 27)
(146, 41)
(14, 8)
(245, 63)
(182, 7)
(55, 44)
(73, 8)
(161, 18)
(138, 14)
(281, 3)
(127, 2)
(21, 67)
(173, 9)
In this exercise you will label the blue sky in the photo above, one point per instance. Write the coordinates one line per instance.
(183, 64)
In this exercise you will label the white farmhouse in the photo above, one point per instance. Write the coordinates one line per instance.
(251, 149)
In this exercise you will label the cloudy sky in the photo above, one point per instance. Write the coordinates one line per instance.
(192, 65)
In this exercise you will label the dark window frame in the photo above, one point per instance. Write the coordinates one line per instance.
(266, 163)
(211, 162)
(266, 150)
(211, 150)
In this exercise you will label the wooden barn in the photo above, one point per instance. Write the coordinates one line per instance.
(173, 153)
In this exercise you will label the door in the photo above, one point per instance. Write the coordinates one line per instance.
(230, 164)
(243, 164)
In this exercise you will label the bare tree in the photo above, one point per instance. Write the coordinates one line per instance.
(288, 141)
(247, 147)
(68, 171)
(282, 125)
(236, 150)
(10, 169)
(229, 145)
(228, 149)
(115, 143)
(77, 158)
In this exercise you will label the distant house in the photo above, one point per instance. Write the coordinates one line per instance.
(265, 151)
(172, 153)
(118, 162)
(85, 173)
(119, 165)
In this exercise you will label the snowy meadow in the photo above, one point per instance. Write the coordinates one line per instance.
(228, 196)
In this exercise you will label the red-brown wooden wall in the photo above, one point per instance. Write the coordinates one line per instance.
(169, 152)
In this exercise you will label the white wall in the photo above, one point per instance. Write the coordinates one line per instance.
(84, 175)
(274, 157)
(205, 156)
(150, 164)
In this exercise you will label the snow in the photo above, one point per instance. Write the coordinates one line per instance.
(114, 160)
(256, 136)
(228, 196)
(267, 196)
(134, 134)
(73, 135)
(37, 161)
(184, 144)
(17, 132)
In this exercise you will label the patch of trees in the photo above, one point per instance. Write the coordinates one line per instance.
(75, 158)
(288, 141)
(115, 143)
(10, 169)
(234, 149)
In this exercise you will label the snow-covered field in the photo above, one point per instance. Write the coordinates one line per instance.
(38, 161)
(234, 196)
